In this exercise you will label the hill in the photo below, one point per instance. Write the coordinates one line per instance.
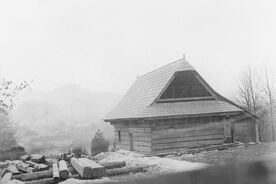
(65, 112)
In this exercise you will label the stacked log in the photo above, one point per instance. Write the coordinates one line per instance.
(88, 169)
(38, 167)
(7, 177)
(63, 170)
(37, 158)
(24, 167)
(13, 169)
(33, 170)
(55, 173)
(25, 158)
(36, 175)
(3, 172)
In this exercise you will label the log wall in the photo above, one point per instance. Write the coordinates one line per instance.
(141, 133)
(169, 135)
(174, 135)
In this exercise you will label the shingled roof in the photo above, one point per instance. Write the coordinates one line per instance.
(139, 101)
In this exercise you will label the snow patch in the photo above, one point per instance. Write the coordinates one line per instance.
(155, 165)
(76, 181)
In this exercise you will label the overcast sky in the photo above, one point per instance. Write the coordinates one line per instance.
(103, 45)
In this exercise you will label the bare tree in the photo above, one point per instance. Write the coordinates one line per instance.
(269, 94)
(250, 96)
(8, 92)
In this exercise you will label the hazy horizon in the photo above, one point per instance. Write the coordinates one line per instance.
(103, 45)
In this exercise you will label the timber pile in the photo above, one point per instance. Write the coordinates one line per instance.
(37, 169)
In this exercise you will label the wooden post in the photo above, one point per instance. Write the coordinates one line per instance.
(233, 132)
(257, 137)
(130, 141)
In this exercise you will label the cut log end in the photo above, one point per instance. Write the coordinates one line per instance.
(88, 169)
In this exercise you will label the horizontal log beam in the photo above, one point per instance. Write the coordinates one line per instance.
(166, 135)
(187, 144)
(188, 139)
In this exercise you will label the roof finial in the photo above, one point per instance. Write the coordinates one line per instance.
(183, 56)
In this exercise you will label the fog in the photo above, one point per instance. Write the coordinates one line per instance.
(104, 45)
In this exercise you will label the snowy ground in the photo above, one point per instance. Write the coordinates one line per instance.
(185, 162)
(155, 165)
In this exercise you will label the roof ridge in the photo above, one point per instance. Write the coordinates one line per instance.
(161, 67)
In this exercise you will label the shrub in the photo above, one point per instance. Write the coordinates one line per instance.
(78, 151)
(99, 143)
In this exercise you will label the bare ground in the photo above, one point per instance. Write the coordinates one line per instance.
(242, 153)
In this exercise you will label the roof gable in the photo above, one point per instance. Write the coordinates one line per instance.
(149, 87)
(184, 86)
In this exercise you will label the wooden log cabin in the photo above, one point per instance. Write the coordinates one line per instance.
(173, 108)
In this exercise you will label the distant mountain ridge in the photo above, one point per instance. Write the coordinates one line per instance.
(67, 105)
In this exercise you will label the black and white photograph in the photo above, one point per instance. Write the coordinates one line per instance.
(137, 92)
